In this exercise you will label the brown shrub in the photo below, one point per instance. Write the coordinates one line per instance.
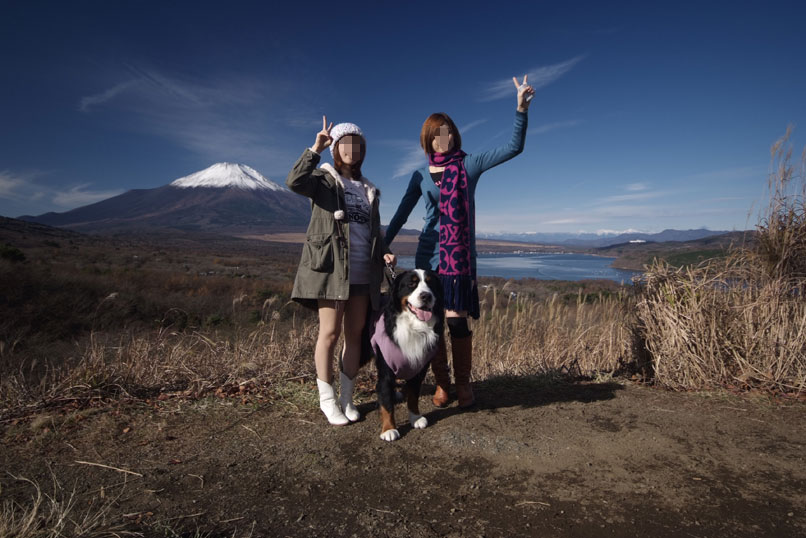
(740, 321)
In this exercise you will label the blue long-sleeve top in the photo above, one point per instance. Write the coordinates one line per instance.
(427, 256)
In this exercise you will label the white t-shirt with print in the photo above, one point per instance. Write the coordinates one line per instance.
(357, 213)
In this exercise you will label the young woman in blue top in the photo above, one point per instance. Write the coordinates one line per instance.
(447, 243)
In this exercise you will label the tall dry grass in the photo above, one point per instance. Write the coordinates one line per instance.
(740, 321)
(519, 336)
(146, 364)
(515, 336)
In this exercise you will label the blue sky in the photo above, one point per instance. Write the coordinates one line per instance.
(647, 115)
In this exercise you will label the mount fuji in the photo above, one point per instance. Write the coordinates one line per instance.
(226, 197)
(228, 175)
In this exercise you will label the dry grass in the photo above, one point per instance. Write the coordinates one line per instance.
(146, 364)
(58, 514)
(515, 336)
(519, 336)
(65, 513)
(706, 327)
(741, 321)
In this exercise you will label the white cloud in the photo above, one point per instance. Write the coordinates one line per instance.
(537, 77)
(471, 125)
(222, 118)
(10, 183)
(541, 129)
(103, 97)
(78, 196)
(633, 196)
(637, 187)
(413, 158)
(605, 231)
(26, 194)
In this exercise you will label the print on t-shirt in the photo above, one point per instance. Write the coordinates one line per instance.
(356, 204)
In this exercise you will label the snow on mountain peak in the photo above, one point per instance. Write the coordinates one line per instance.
(226, 175)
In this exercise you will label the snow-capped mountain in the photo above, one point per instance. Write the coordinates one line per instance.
(226, 198)
(228, 175)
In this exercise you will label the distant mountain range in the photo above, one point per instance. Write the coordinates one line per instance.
(592, 240)
(225, 198)
(235, 199)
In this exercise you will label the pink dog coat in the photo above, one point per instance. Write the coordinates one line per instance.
(393, 355)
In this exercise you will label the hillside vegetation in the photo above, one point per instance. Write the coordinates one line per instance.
(637, 256)
(87, 318)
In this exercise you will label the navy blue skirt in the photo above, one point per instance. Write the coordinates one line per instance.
(461, 293)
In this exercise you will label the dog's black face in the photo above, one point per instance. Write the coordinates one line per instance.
(418, 292)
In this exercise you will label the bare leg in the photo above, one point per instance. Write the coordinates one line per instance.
(355, 315)
(329, 329)
(330, 319)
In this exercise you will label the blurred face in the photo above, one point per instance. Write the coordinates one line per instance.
(443, 142)
(350, 149)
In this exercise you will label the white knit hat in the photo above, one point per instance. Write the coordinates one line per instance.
(343, 129)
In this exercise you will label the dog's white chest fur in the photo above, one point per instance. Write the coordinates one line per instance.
(414, 337)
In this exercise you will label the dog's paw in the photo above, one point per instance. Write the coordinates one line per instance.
(418, 421)
(390, 435)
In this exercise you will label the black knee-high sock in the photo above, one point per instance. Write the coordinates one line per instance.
(458, 327)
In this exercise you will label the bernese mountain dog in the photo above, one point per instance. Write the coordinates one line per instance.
(403, 341)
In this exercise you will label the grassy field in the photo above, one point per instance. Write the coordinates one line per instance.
(87, 316)
(100, 317)
(165, 387)
(112, 349)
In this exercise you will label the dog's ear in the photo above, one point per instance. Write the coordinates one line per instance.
(394, 304)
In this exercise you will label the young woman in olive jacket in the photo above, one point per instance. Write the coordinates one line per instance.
(342, 262)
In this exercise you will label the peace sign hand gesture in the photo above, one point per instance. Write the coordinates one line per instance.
(323, 138)
(525, 93)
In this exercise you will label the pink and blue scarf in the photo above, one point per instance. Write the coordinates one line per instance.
(454, 229)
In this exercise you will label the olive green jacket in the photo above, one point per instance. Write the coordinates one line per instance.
(324, 269)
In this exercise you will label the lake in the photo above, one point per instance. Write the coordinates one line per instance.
(543, 266)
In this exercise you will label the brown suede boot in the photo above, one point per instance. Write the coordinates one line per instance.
(462, 364)
(442, 374)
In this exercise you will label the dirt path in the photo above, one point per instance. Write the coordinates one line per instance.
(532, 460)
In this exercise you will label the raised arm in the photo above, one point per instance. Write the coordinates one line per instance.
(301, 178)
(496, 156)
(413, 193)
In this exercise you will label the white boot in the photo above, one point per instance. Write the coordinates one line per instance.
(346, 397)
(327, 402)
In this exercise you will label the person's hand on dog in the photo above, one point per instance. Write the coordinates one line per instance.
(391, 259)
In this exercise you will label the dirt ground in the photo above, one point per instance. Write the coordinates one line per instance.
(532, 459)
